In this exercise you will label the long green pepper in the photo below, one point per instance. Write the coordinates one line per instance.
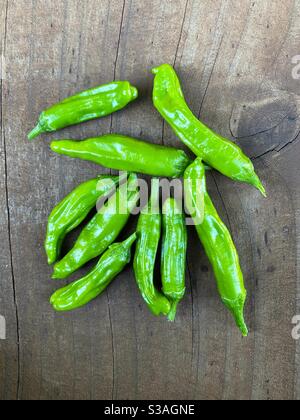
(218, 244)
(126, 154)
(93, 103)
(73, 210)
(216, 151)
(149, 233)
(102, 230)
(174, 248)
(92, 285)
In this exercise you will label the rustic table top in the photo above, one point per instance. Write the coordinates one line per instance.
(239, 66)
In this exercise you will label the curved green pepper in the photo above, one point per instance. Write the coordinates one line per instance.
(174, 249)
(216, 151)
(126, 154)
(73, 210)
(218, 245)
(102, 230)
(92, 285)
(149, 232)
(94, 103)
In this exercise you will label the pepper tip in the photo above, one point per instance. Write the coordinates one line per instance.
(256, 182)
(54, 146)
(262, 189)
(173, 311)
(134, 92)
(264, 193)
(55, 276)
(240, 321)
(156, 70)
(244, 330)
(52, 299)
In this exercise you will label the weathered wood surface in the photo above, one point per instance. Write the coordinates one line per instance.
(236, 62)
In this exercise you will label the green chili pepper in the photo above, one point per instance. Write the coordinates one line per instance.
(216, 151)
(174, 254)
(102, 230)
(126, 154)
(73, 210)
(218, 245)
(149, 232)
(88, 105)
(91, 286)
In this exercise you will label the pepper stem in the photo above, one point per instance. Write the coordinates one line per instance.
(130, 241)
(35, 132)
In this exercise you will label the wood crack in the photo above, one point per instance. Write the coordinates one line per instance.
(119, 38)
(181, 32)
(222, 199)
(210, 77)
(107, 293)
(9, 217)
(287, 33)
(217, 53)
(117, 54)
(195, 344)
(278, 149)
(80, 44)
(175, 60)
(112, 345)
(258, 132)
(230, 226)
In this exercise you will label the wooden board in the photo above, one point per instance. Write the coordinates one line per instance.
(236, 63)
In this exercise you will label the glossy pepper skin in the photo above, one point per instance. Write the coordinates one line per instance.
(126, 154)
(218, 245)
(174, 248)
(83, 291)
(149, 233)
(218, 152)
(94, 103)
(102, 230)
(73, 210)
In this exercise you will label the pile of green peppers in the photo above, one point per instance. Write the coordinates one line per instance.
(157, 225)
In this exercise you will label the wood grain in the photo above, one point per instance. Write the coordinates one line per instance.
(235, 62)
